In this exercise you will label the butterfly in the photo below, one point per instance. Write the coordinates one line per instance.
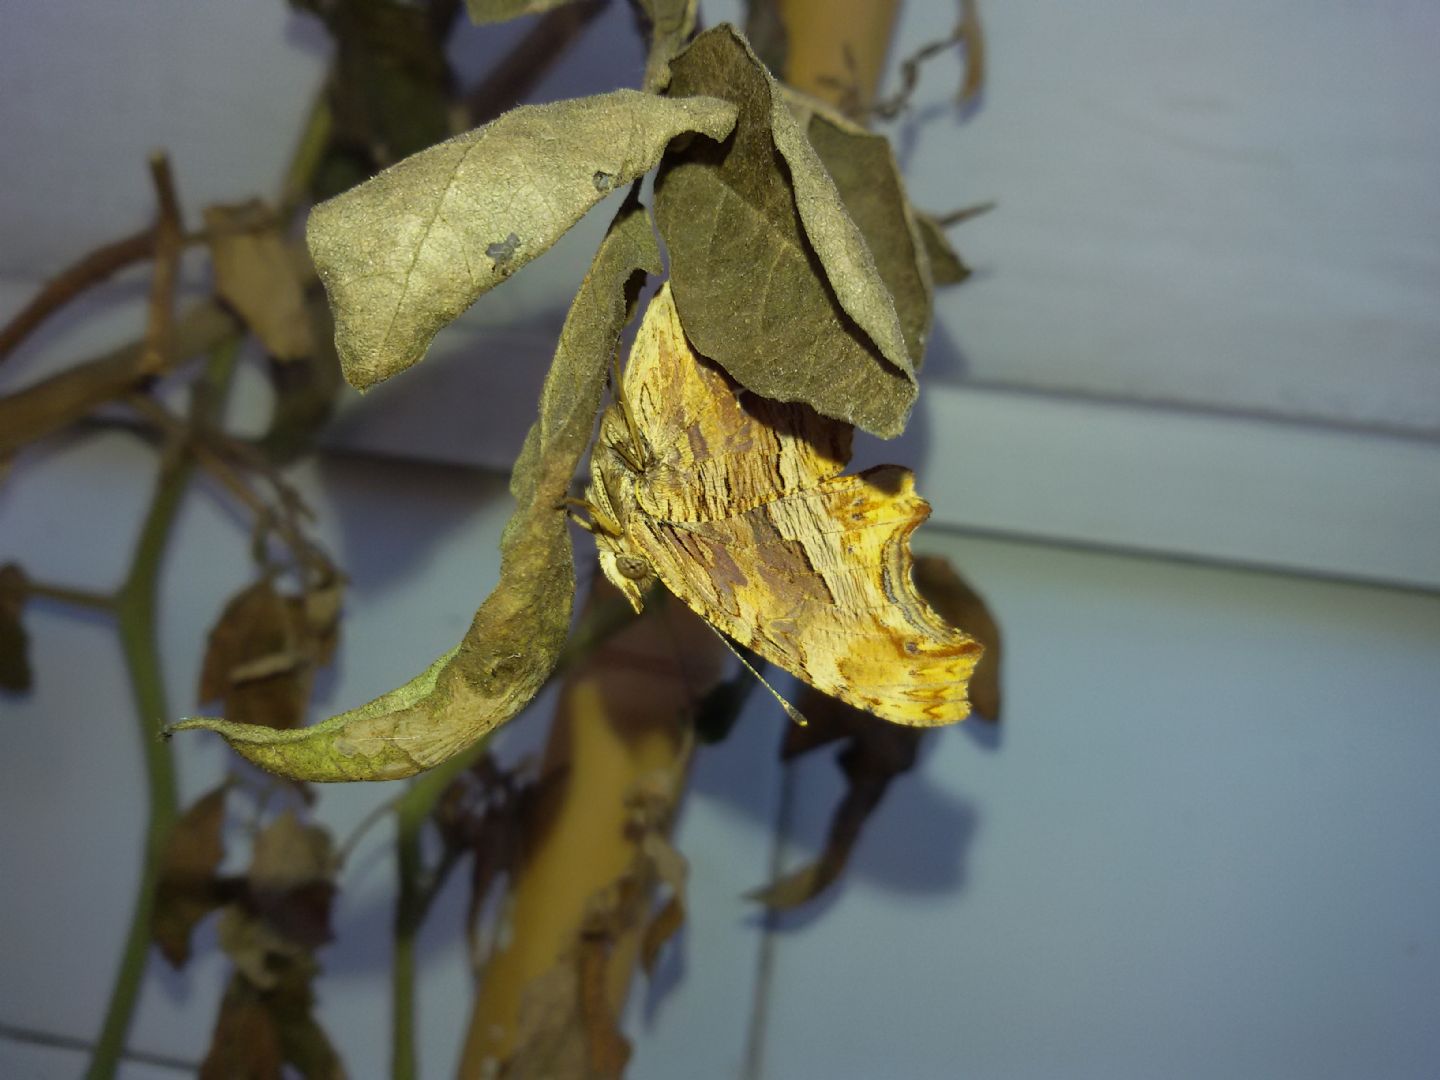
(738, 505)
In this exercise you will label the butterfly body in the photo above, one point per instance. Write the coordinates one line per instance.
(738, 505)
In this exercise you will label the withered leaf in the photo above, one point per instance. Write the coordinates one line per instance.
(406, 252)
(868, 179)
(492, 11)
(950, 595)
(245, 1044)
(772, 278)
(259, 1031)
(188, 889)
(260, 660)
(256, 276)
(946, 266)
(15, 673)
(877, 753)
(671, 24)
(516, 636)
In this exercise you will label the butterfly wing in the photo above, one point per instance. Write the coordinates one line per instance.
(712, 448)
(818, 582)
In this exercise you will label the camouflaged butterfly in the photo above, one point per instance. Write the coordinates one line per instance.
(737, 505)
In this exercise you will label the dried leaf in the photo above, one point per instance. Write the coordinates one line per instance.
(245, 1044)
(877, 753)
(406, 252)
(772, 278)
(950, 595)
(946, 266)
(868, 179)
(516, 636)
(188, 889)
(15, 675)
(260, 659)
(493, 11)
(671, 24)
(256, 276)
(290, 880)
(669, 866)
(259, 1031)
(257, 949)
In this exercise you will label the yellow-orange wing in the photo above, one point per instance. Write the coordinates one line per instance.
(741, 511)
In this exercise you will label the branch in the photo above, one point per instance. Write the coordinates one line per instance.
(91, 270)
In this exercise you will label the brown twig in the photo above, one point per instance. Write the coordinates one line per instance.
(967, 35)
(527, 63)
(91, 270)
(965, 213)
(53, 403)
(205, 444)
(169, 239)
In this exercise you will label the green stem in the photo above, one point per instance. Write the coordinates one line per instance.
(135, 605)
(412, 811)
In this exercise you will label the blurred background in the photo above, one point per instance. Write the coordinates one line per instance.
(1181, 429)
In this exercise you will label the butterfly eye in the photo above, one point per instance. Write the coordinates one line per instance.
(632, 567)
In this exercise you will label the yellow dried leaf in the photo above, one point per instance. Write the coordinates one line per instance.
(257, 276)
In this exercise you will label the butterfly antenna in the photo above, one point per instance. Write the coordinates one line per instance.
(638, 454)
(790, 710)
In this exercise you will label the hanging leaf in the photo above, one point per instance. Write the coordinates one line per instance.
(772, 278)
(493, 11)
(263, 652)
(405, 253)
(946, 266)
(866, 175)
(949, 594)
(245, 1043)
(189, 888)
(671, 24)
(259, 1031)
(516, 636)
(15, 675)
(877, 753)
(257, 277)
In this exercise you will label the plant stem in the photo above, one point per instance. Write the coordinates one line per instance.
(135, 605)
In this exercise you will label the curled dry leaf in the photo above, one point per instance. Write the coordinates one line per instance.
(876, 754)
(188, 888)
(15, 673)
(946, 266)
(263, 652)
(773, 279)
(259, 1031)
(406, 252)
(516, 636)
(256, 276)
(866, 175)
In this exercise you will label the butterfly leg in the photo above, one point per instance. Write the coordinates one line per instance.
(598, 523)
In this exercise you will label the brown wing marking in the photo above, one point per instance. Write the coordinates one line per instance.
(715, 449)
(818, 582)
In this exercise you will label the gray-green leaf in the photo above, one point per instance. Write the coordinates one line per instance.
(772, 278)
(868, 179)
(406, 252)
(516, 637)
